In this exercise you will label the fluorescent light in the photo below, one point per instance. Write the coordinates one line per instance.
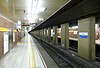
(74, 27)
(41, 9)
(18, 25)
(31, 10)
(25, 18)
(41, 19)
(35, 7)
(19, 22)
(29, 4)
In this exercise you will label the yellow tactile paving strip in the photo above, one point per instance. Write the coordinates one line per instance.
(32, 59)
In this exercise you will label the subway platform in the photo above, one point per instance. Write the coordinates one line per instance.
(27, 54)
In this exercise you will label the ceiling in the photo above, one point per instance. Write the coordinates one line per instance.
(18, 9)
(72, 12)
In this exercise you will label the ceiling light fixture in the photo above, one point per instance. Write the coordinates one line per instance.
(40, 9)
(74, 27)
(31, 10)
(25, 18)
(35, 17)
(18, 24)
(41, 19)
(35, 7)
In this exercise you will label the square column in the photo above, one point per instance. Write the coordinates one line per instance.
(55, 41)
(42, 33)
(45, 34)
(49, 34)
(65, 35)
(86, 38)
(11, 39)
(39, 33)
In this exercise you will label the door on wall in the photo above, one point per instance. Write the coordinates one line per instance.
(6, 42)
(10, 39)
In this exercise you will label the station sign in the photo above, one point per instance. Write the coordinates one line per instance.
(83, 34)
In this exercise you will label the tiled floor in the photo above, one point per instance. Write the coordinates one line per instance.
(24, 55)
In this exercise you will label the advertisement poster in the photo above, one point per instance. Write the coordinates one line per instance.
(6, 42)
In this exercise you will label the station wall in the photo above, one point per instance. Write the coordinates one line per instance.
(5, 27)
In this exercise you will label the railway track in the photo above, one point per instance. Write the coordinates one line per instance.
(74, 47)
(73, 44)
(59, 59)
(63, 58)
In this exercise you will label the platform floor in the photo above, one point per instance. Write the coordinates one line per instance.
(25, 55)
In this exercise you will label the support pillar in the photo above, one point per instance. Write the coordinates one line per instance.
(86, 38)
(39, 33)
(55, 41)
(42, 33)
(11, 39)
(49, 34)
(45, 34)
(65, 35)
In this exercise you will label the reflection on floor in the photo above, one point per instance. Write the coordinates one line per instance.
(22, 56)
